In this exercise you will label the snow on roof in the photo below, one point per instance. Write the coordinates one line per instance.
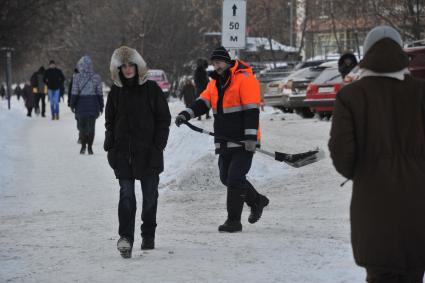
(255, 43)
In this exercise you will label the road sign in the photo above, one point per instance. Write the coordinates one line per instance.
(233, 24)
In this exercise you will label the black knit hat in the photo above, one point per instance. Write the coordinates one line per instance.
(221, 54)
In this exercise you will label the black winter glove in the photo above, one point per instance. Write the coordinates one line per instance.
(182, 117)
(108, 144)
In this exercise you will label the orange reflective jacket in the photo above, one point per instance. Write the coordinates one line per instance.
(236, 110)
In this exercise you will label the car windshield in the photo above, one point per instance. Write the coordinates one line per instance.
(156, 76)
(306, 64)
(329, 76)
(308, 74)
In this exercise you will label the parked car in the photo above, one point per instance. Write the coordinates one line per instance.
(271, 93)
(417, 61)
(160, 78)
(288, 94)
(295, 90)
(322, 91)
(310, 63)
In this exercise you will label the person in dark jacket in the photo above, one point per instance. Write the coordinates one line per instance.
(137, 121)
(201, 79)
(2, 91)
(54, 79)
(346, 63)
(39, 88)
(378, 141)
(234, 95)
(86, 102)
(18, 91)
(188, 93)
(29, 97)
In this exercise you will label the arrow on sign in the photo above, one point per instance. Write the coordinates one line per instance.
(234, 8)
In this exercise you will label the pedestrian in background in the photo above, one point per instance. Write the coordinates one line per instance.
(188, 93)
(201, 79)
(86, 102)
(39, 89)
(54, 79)
(29, 97)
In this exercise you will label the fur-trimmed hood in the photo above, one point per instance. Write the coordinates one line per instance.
(125, 55)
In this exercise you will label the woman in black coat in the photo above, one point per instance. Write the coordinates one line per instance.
(29, 97)
(201, 79)
(137, 120)
(188, 93)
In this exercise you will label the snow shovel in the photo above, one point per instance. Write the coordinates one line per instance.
(295, 160)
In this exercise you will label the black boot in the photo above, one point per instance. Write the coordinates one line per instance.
(257, 208)
(230, 226)
(83, 143)
(90, 143)
(148, 243)
(124, 246)
(235, 203)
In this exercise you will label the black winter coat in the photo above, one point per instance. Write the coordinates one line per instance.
(137, 121)
(201, 80)
(54, 78)
(188, 93)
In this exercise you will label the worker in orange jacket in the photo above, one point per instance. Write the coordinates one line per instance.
(234, 95)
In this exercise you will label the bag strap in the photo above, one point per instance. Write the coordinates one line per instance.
(80, 90)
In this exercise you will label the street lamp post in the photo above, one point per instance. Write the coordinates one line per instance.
(8, 51)
(291, 11)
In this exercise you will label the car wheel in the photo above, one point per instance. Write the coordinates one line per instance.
(321, 115)
(305, 112)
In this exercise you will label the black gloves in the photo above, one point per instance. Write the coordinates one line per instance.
(182, 117)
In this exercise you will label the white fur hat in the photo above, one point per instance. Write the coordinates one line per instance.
(126, 55)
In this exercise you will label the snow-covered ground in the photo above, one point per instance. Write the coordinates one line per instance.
(58, 209)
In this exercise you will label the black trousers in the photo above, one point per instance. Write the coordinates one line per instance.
(86, 126)
(40, 97)
(233, 168)
(127, 207)
(380, 276)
